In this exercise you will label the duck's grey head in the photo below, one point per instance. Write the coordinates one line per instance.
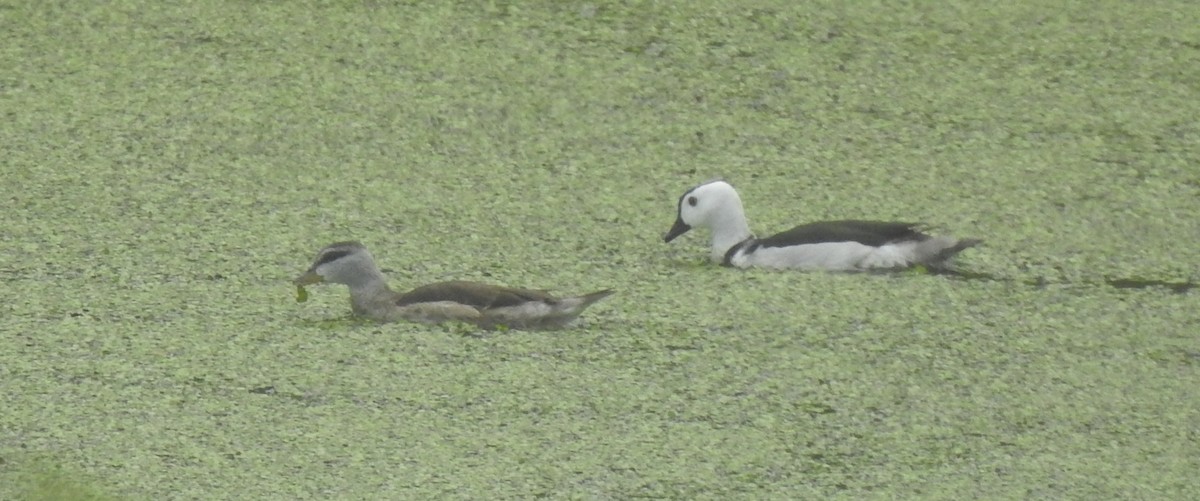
(348, 263)
(706, 205)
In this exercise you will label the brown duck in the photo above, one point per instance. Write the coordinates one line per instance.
(489, 306)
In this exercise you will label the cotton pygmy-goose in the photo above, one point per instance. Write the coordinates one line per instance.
(827, 245)
(488, 306)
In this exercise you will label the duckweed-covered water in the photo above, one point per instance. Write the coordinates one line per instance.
(169, 168)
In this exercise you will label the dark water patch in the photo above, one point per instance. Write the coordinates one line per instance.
(1041, 282)
(1132, 283)
(965, 275)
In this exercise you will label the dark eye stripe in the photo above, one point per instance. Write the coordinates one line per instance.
(331, 256)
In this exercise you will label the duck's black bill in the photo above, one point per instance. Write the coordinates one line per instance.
(309, 278)
(677, 229)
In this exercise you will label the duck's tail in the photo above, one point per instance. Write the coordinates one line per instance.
(937, 250)
(569, 308)
(536, 315)
(588, 299)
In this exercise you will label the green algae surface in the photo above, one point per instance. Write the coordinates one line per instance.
(169, 168)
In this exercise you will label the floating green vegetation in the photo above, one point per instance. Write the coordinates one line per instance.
(43, 481)
(168, 165)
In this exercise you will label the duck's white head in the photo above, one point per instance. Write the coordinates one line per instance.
(348, 263)
(714, 205)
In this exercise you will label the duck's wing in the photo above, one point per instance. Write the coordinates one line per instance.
(873, 233)
(474, 294)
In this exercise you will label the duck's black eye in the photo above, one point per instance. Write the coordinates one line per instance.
(692, 201)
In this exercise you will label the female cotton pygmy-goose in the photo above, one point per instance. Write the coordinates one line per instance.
(827, 245)
(488, 306)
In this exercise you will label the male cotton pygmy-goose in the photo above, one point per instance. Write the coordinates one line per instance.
(827, 245)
